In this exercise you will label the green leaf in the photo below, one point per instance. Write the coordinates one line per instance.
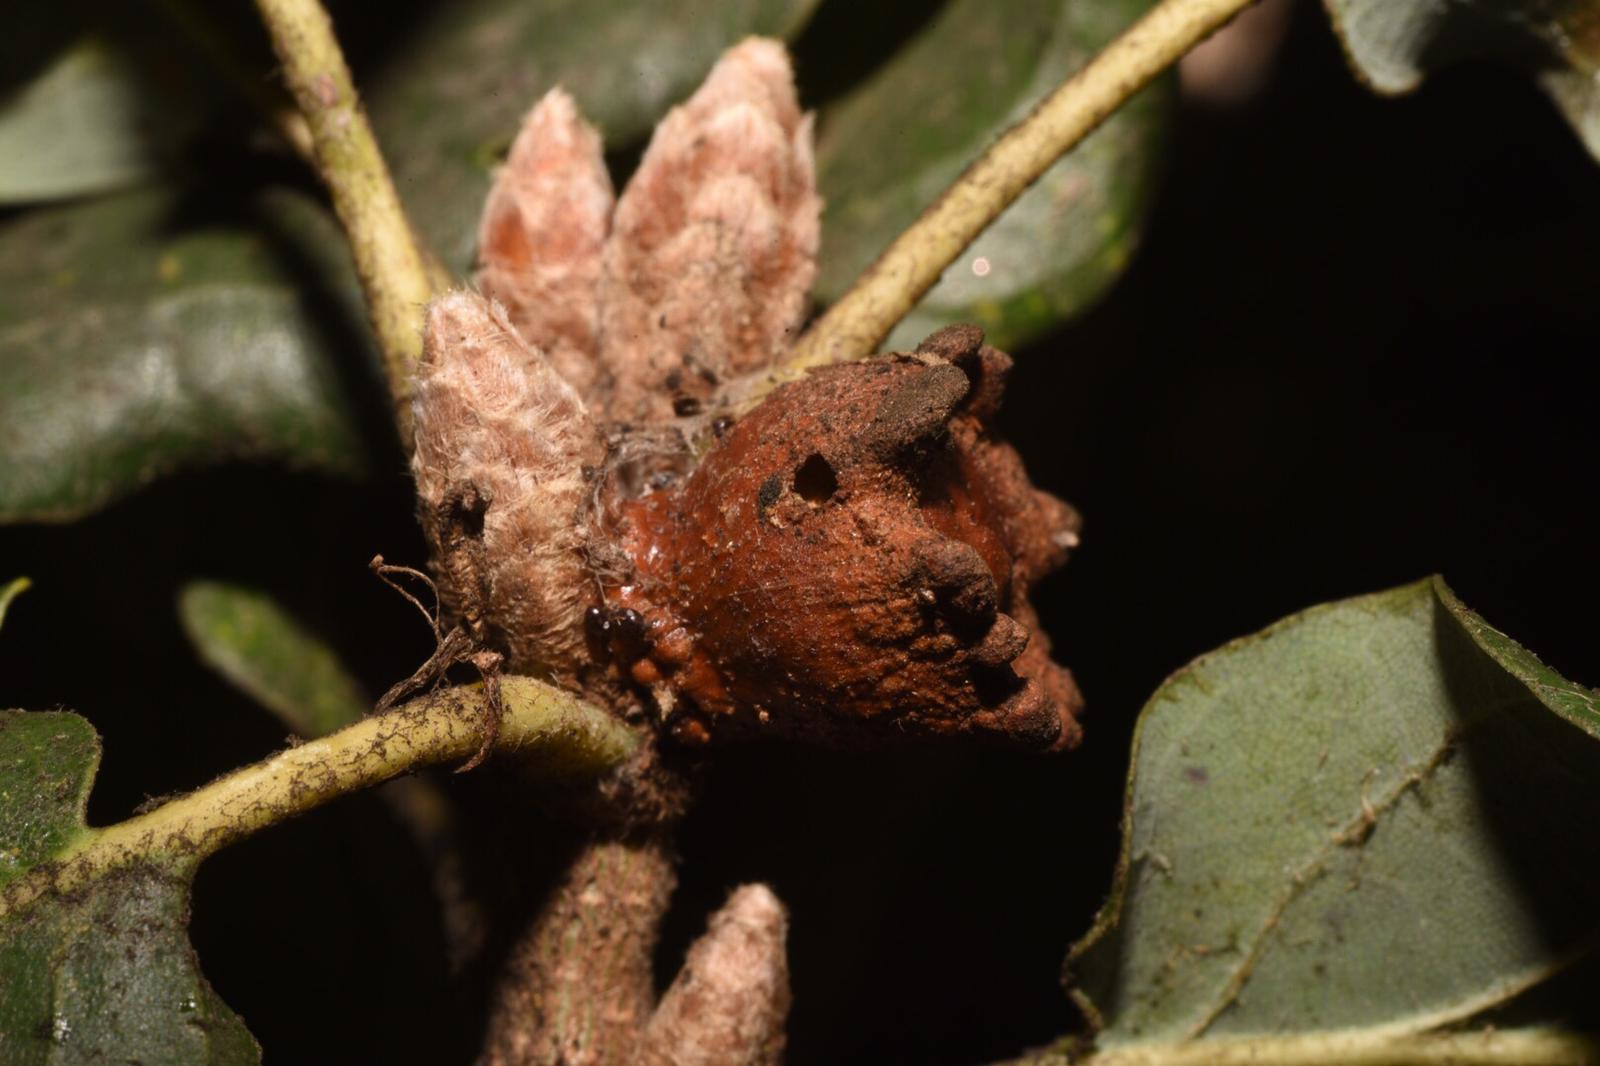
(249, 639)
(10, 592)
(889, 147)
(104, 973)
(446, 111)
(1578, 705)
(138, 335)
(92, 120)
(1356, 821)
(1393, 44)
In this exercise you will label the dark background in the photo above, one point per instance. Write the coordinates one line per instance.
(1357, 347)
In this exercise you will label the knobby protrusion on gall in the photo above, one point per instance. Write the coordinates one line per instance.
(851, 564)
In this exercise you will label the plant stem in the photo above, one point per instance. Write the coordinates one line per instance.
(11, 591)
(854, 326)
(394, 272)
(1487, 1047)
(564, 735)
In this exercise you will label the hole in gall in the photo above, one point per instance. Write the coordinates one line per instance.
(815, 481)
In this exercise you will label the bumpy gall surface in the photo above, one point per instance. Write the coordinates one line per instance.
(850, 564)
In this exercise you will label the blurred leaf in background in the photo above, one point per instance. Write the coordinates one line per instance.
(250, 639)
(1394, 44)
(87, 123)
(94, 97)
(138, 336)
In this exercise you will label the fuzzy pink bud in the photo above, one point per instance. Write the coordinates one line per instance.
(503, 450)
(543, 231)
(713, 247)
(728, 1003)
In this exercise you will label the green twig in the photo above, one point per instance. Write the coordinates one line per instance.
(11, 591)
(394, 271)
(855, 325)
(566, 736)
